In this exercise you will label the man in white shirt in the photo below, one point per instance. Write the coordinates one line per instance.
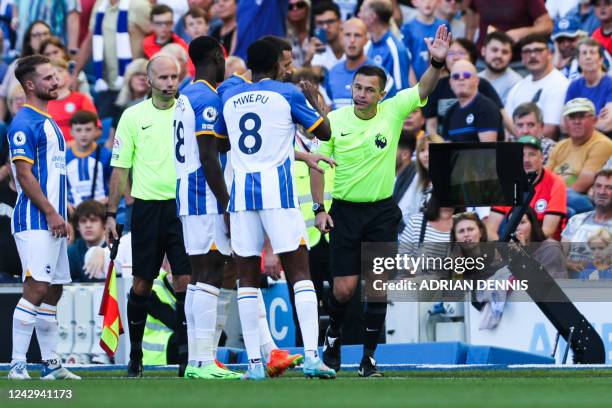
(325, 48)
(544, 86)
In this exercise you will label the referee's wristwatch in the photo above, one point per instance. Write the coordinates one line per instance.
(111, 214)
(317, 208)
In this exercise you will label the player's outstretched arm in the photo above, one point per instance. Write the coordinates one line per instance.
(207, 146)
(32, 190)
(311, 93)
(116, 189)
(438, 48)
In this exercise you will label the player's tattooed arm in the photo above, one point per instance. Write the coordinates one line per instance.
(32, 190)
(207, 146)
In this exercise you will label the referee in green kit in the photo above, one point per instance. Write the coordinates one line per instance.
(144, 142)
(364, 145)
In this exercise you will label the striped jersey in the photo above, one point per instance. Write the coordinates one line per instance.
(391, 54)
(35, 138)
(80, 170)
(260, 119)
(196, 112)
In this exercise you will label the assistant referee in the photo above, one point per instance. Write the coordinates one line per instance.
(144, 142)
(364, 145)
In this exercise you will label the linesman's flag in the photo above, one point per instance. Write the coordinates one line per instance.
(109, 308)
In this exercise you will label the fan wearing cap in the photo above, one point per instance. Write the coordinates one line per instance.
(579, 157)
(549, 200)
(566, 34)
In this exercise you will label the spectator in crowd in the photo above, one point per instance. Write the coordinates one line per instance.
(88, 221)
(258, 18)
(518, 18)
(585, 13)
(34, 36)
(53, 48)
(10, 265)
(414, 125)
(203, 5)
(594, 84)
(3, 64)
(583, 226)
(234, 65)
(545, 85)
(600, 266)
(549, 200)
(547, 251)
(182, 57)
(68, 102)
(443, 96)
(196, 23)
(7, 11)
(61, 16)
(134, 89)
(298, 29)
(603, 11)
(113, 45)
(420, 188)
(328, 51)
(473, 117)
(578, 158)
(87, 163)
(424, 25)
(497, 54)
(16, 100)
(385, 49)
(450, 10)
(405, 172)
(179, 8)
(340, 77)
(558, 9)
(225, 33)
(565, 36)
(528, 121)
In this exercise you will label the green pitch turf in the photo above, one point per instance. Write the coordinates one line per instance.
(456, 389)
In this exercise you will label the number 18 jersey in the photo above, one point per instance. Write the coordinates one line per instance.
(260, 119)
(196, 112)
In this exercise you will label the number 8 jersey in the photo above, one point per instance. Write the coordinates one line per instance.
(196, 112)
(260, 119)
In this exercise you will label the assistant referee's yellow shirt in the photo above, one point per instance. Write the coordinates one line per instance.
(365, 150)
(144, 142)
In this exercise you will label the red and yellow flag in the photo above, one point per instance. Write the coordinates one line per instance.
(109, 308)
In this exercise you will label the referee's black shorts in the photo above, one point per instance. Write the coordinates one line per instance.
(355, 223)
(157, 231)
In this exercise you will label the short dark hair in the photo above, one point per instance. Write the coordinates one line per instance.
(83, 117)
(604, 173)
(407, 140)
(500, 36)
(324, 6)
(55, 41)
(534, 38)
(373, 70)
(160, 9)
(196, 12)
(88, 208)
(278, 42)
(382, 9)
(525, 109)
(470, 47)
(26, 66)
(262, 56)
(537, 234)
(468, 216)
(203, 48)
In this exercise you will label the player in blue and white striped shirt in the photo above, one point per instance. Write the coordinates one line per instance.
(38, 155)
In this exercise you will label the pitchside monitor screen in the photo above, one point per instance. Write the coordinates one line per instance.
(477, 174)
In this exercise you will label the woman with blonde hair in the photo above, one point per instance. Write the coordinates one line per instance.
(135, 88)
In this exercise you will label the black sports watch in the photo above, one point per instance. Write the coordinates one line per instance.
(318, 208)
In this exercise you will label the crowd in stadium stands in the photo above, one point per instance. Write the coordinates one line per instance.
(534, 72)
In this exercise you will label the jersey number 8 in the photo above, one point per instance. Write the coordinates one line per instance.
(179, 135)
(253, 132)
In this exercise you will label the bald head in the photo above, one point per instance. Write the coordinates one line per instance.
(464, 79)
(354, 38)
(163, 76)
(162, 61)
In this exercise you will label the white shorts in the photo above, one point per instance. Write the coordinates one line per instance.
(203, 233)
(284, 226)
(44, 258)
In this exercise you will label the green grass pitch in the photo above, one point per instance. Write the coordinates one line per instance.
(455, 389)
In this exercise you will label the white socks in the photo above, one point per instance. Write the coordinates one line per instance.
(306, 308)
(46, 331)
(204, 309)
(266, 342)
(249, 319)
(223, 303)
(190, 322)
(24, 318)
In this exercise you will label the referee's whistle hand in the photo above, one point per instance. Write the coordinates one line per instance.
(324, 222)
(111, 230)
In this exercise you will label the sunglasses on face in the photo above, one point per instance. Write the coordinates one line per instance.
(297, 6)
(458, 75)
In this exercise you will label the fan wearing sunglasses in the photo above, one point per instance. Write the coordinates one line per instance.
(474, 117)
